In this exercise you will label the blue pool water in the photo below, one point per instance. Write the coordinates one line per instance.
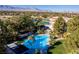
(39, 42)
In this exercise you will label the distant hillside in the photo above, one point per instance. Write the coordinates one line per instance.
(13, 8)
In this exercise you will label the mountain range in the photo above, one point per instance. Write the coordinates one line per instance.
(14, 8)
(25, 8)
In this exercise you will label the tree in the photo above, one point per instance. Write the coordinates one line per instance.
(25, 22)
(60, 26)
(73, 37)
(73, 24)
(2, 40)
(72, 42)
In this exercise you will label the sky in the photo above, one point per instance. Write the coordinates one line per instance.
(58, 8)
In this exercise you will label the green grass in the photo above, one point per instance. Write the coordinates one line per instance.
(19, 42)
(63, 48)
(59, 49)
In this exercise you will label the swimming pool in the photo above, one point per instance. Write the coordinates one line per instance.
(39, 42)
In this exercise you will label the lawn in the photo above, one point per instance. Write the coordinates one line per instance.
(58, 48)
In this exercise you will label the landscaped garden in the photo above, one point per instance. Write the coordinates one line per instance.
(26, 32)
